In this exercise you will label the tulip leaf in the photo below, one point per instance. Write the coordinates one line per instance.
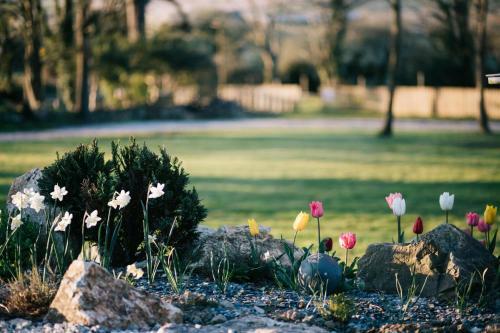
(493, 242)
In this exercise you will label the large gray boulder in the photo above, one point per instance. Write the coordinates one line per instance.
(89, 295)
(445, 256)
(234, 242)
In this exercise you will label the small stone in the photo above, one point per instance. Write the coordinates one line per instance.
(19, 323)
(259, 310)
(330, 324)
(226, 304)
(218, 319)
(308, 319)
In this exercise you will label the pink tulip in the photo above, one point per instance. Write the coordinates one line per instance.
(347, 240)
(316, 209)
(390, 198)
(472, 219)
(483, 226)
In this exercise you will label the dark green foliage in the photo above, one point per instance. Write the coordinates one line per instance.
(299, 69)
(26, 236)
(287, 277)
(91, 182)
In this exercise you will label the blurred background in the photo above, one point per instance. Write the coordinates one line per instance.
(108, 62)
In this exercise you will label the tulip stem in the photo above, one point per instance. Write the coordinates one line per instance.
(319, 238)
(346, 252)
(446, 217)
(417, 237)
(472, 231)
(399, 229)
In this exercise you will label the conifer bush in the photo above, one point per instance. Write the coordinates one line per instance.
(91, 181)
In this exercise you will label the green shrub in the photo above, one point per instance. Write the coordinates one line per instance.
(91, 182)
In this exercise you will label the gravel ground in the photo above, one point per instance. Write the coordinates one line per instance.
(204, 305)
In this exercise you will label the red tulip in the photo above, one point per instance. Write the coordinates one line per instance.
(328, 242)
(316, 209)
(347, 240)
(418, 226)
(472, 219)
(483, 226)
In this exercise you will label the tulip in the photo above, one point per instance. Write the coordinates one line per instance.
(301, 221)
(398, 205)
(390, 198)
(317, 210)
(472, 220)
(490, 213)
(328, 244)
(484, 227)
(347, 241)
(446, 202)
(418, 226)
(254, 227)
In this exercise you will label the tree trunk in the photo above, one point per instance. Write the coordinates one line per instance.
(32, 78)
(393, 65)
(480, 50)
(136, 21)
(82, 59)
(338, 33)
(65, 64)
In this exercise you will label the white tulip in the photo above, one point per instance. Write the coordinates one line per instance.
(36, 201)
(20, 200)
(399, 207)
(58, 193)
(63, 223)
(15, 222)
(92, 219)
(156, 192)
(446, 201)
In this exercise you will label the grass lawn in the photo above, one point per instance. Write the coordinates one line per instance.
(273, 175)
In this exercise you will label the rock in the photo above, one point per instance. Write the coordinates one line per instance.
(320, 271)
(235, 242)
(218, 319)
(26, 181)
(446, 256)
(89, 295)
(247, 324)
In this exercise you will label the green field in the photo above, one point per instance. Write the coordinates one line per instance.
(272, 175)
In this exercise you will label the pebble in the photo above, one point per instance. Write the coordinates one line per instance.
(259, 310)
(218, 319)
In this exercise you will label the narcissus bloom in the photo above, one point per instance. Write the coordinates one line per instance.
(398, 206)
(472, 219)
(390, 198)
(36, 201)
(418, 226)
(156, 192)
(483, 226)
(446, 201)
(63, 222)
(136, 272)
(490, 213)
(347, 240)
(121, 200)
(58, 193)
(301, 221)
(253, 227)
(316, 209)
(20, 200)
(15, 222)
(92, 219)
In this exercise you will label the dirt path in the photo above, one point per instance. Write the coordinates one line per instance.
(148, 127)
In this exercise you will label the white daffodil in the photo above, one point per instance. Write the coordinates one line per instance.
(58, 193)
(152, 238)
(15, 222)
(136, 273)
(446, 201)
(64, 221)
(399, 207)
(267, 256)
(29, 192)
(123, 199)
(20, 200)
(36, 201)
(156, 192)
(92, 219)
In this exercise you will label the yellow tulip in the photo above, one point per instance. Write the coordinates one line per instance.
(301, 221)
(254, 227)
(490, 213)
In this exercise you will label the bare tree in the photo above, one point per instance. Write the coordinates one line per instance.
(65, 50)
(31, 12)
(480, 50)
(393, 65)
(82, 58)
(136, 19)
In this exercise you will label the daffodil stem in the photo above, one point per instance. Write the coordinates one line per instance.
(319, 238)
(106, 258)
